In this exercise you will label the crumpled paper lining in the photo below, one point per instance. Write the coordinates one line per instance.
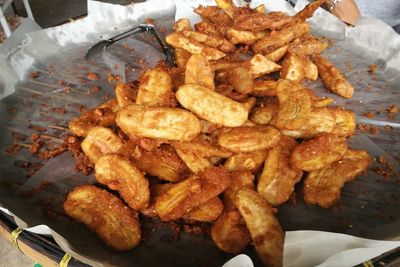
(39, 45)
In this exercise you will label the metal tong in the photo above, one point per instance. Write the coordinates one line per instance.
(101, 46)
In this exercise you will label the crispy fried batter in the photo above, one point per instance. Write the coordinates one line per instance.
(239, 179)
(308, 10)
(322, 187)
(265, 113)
(293, 68)
(246, 161)
(193, 160)
(257, 22)
(278, 53)
(203, 38)
(318, 152)
(113, 222)
(259, 65)
(345, 122)
(100, 141)
(308, 45)
(186, 196)
(264, 228)
(126, 94)
(182, 24)
(103, 115)
(243, 37)
(278, 178)
(249, 138)
(207, 212)
(199, 71)
(240, 79)
(119, 174)
(333, 78)
(264, 88)
(181, 58)
(203, 149)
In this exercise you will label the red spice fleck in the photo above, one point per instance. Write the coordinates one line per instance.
(92, 76)
(34, 74)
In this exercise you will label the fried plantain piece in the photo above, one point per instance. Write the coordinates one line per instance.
(163, 163)
(227, 6)
(308, 10)
(243, 37)
(212, 106)
(210, 29)
(264, 228)
(292, 68)
(106, 215)
(264, 114)
(103, 115)
(239, 179)
(182, 24)
(206, 39)
(323, 186)
(158, 122)
(126, 94)
(345, 122)
(240, 79)
(333, 78)
(207, 212)
(156, 89)
(100, 141)
(310, 69)
(229, 232)
(181, 58)
(246, 161)
(187, 195)
(257, 22)
(277, 181)
(259, 65)
(199, 71)
(307, 45)
(118, 173)
(318, 152)
(321, 102)
(193, 161)
(215, 15)
(280, 38)
(295, 105)
(249, 138)
(278, 53)
(178, 40)
(203, 149)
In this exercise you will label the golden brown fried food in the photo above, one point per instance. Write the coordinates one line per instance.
(278, 53)
(308, 10)
(100, 141)
(239, 179)
(295, 105)
(257, 22)
(203, 149)
(243, 37)
(240, 79)
(215, 15)
(119, 174)
(280, 38)
(103, 115)
(178, 40)
(249, 138)
(211, 106)
(293, 68)
(310, 69)
(199, 71)
(264, 88)
(187, 195)
(193, 161)
(163, 163)
(182, 24)
(106, 215)
(210, 29)
(126, 94)
(156, 89)
(345, 122)
(229, 232)
(227, 6)
(278, 178)
(181, 58)
(208, 40)
(322, 187)
(207, 212)
(264, 228)
(308, 45)
(318, 152)
(158, 122)
(333, 78)
(246, 161)
(265, 113)
(260, 65)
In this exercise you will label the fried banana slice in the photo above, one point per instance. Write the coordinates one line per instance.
(199, 71)
(212, 106)
(100, 141)
(240, 79)
(208, 40)
(260, 65)
(106, 215)
(121, 175)
(310, 70)
(246, 161)
(318, 152)
(239, 179)
(187, 195)
(206, 212)
(308, 10)
(163, 163)
(182, 24)
(264, 88)
(333, 78)
(292, 68)
(203, 149)
(280, 38)
(178, 40)
(103, 115)
(181, 57)
(278, 53)
(158, 122)
(264, 228)
(307, 46)
(278, 178)
(345, 122)
(323, 186)
(295, 105)
(126, 94)
(249, 138)
(229, 232)
(215, 15)
(210, 29)
(243, 37)
(227, 6)
(257, 22)
(155, 89)
(193, 161)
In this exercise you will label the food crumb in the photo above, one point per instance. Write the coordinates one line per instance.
(34, 74)
(94, 90)
(372, 68)
(369, 115)
(92, 76)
